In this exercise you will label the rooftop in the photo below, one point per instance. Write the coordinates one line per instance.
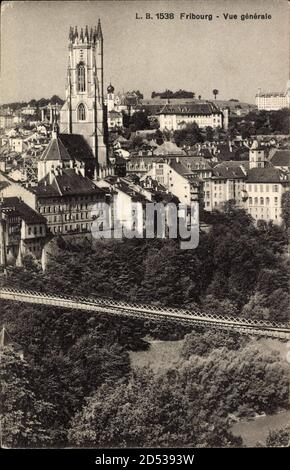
(19, 208)
(281, 158)
(190, 108)
(68, 147)
(67, 182)
(267, 175)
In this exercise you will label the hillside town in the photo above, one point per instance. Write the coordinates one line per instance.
(144, 229)
(54, 169)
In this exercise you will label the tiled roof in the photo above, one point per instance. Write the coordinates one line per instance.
(266, 175)
(168, 148)
(114, 114)
(68, 147)
(190, 108)
(55, 151)
(180, 168)
(281, 158)
(23, 210)
(228, 172)
(67, 182)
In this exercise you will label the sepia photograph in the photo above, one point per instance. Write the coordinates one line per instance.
(144, 227)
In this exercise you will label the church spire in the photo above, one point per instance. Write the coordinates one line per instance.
(87, 33)
(71, 34)
(55, 127)
(99, 31)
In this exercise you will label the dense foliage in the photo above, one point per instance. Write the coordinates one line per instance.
(173, 94)
(261, 123)
(75, 384)
(185, 406)
(237, 269)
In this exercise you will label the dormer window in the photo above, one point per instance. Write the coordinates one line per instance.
(81, 112)
(81, 77)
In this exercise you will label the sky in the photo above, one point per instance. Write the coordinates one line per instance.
(236, 57)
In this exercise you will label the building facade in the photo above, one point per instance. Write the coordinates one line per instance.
(174, 116)
(83, 110)
(23, 231)
(273, 101)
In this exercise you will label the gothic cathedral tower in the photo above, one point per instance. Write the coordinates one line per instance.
(83, 110)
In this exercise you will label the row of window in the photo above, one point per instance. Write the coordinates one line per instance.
(256, 188)
(267, 201)
(35, 230)
(71, 228)
(58, 209)
(67, 217)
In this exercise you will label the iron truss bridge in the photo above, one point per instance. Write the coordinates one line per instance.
(149, 312)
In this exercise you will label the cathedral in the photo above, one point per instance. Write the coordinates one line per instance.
(83, 112)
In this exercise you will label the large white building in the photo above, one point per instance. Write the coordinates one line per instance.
(177, 116)
(272, 101)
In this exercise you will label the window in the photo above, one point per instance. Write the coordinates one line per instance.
(267, 201)
(276, 201)
(81, 112)
(250, 201)
(81, 77)
(275, 188)
(261, 201)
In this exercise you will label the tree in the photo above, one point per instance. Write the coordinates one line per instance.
(55, 99)
(138, 121)
(215, 93)
(25, 419)
(153, 410)
(278, 438)
(286, 209)
(209, 133)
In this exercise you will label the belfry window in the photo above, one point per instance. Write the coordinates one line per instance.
(81, 112)
(81, 77)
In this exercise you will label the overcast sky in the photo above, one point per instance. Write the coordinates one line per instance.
(236, 57)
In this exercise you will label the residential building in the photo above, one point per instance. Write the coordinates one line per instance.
(280, 159)
(177, 179)
(273, 101)
(264, 190)
(66, 198)
(115, 120)
(24, 231)
(28, 110)
(226, 183)
(174, 116)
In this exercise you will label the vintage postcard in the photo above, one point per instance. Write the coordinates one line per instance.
(144, 223)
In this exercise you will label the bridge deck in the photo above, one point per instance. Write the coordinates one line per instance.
(112, 307)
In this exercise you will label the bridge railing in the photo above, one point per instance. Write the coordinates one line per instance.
(106, 302)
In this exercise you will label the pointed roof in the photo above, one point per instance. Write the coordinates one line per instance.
(99, 30)
(66, 147)
(55, 151)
